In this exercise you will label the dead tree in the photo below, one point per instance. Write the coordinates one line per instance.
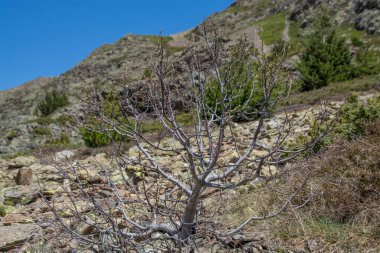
(163, 206)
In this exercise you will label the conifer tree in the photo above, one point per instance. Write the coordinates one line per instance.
(326, 57)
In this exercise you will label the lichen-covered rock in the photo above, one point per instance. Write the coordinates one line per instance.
(20, 194)
(22, 161)
(14, 236)
(63, 155)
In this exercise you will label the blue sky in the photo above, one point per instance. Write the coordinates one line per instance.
(48, 37)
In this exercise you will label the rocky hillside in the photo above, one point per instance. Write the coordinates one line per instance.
(23, 130)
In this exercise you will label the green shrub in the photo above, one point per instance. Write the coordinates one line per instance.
(3, 211)
(280, 47)
(356, 41)
(13, 134)
(354, 115)
(326, 57)
(63, 139)
(41, 131)
(63, 119)
(243, 91)
(147, 74)
(53, 100)
(367, 61)
(44, 120)
(97, 134)
(93, 138)
(241, 95)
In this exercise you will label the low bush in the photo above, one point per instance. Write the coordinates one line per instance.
(96, 138)
(367, 61)
(244, 91)
(41, 131)
(354, 114)
(63, 139)
(13, 134)
(3, 211)
(349, 125)
(53, 100)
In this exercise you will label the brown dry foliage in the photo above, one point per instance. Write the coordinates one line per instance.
(345, 180)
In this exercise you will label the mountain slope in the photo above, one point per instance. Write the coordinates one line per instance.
(128, 55)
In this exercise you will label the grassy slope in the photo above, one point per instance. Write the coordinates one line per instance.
(272, 27)
(337, 90)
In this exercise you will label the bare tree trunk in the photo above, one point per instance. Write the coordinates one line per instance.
(190, 212)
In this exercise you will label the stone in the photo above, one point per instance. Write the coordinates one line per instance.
(24, 176)
(312, 245)
(98, 159)
(52, 188)
(22, 161)
(86, 229)
(14, 236)
(20, 194)
(16, 218)
(101, 158)
(63, 155)
(268, 170)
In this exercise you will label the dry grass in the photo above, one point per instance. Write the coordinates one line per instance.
(344, 214)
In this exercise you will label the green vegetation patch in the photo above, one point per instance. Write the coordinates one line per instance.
(13, 134)
(53, 101)
(41, 131)
(295, 37)
(343, 88)
(350, 31)
(272, 27)
(237, 8)
(47, 120)
(63, 139)
(257, 8)
(4, 209)
(158, 39)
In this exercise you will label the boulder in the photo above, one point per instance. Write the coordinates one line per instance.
(14, 236)
(63, 155)
(3, 164)
(98, 159)
(22, 161)
(20, 194)
(24, 176)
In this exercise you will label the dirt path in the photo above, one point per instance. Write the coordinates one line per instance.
(285, 33)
